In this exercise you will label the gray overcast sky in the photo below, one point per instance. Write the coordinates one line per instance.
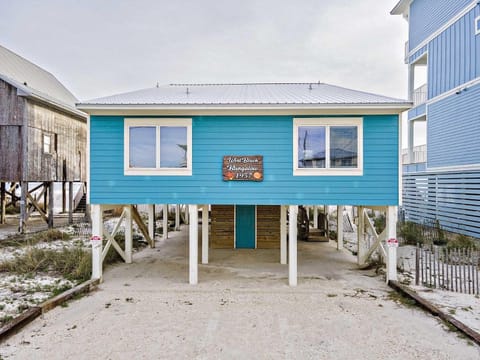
(103, 47)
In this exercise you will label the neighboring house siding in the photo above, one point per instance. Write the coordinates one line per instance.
(418, 54)
(270, 136)
(427, 16)
(453, 131)
(452, 198)
(454, 56)
(68, 161)
(417, 111)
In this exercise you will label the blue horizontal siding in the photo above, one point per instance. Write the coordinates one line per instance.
(427, 16)
(454, 56)
(452, 198)
(417, 111)
(418, 54)
(270, 136)
(453, 130)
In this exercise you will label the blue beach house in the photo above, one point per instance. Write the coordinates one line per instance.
(245, 154)
(441, 179)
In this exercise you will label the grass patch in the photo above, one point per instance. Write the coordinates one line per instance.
(73, 264)
(33, 239)
(401, 299)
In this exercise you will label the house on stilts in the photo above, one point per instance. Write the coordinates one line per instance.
(248, 155)
(441, 176)
(42, 140)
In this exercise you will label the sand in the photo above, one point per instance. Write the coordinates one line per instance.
(242, 308)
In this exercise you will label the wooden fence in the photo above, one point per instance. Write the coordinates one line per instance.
(448, 269)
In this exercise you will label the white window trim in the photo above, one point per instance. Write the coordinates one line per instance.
(477, 25)
(130, 122)
(327, 122)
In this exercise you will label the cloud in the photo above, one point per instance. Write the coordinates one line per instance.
(103, 47)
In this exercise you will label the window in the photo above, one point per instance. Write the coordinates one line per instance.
(49, 143)
(328, 146)
(477, 25)
(158, 146)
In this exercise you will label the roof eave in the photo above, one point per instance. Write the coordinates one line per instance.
(401, 8)
(55, 104)
(97, 109)
(25, 91)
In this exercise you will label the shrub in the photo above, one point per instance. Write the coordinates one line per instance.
(463, 242)
(380, 223)
(74, 264)
(411, 233)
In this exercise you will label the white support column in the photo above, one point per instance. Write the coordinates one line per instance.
(97, 236)
(292, 245)
(205, 234)
(411, 138)
(128, 234)
(360, 235)
(315, 216)
(177, 217)
(151, 223)
(193, 244)
(340, 227)
(392, 243)
(307, 209)
(186, 219)
(411, 81)
(165, 221)
(283, 234)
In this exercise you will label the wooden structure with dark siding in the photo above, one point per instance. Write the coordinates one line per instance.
(267, 229)
(42, 139)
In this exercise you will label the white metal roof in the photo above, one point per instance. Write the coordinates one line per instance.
(32, 80)
(244, 95)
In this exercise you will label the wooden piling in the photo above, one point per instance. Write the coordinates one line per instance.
(417, 265)
(50, 204)
(23, 206)
(70, 202)
(3, 203)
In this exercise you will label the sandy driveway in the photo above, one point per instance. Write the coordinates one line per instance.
(241, 309)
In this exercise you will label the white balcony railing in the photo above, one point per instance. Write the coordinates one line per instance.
(420, 95)
(419, 155)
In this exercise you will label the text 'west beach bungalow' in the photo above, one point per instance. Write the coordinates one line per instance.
(249, 153)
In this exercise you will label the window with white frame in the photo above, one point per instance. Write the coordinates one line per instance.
(477, 25)
(158, 146)
(328, 146)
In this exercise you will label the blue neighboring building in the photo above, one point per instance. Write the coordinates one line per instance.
(245, 151)
(441, 181)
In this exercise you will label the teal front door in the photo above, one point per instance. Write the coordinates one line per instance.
(245, 226)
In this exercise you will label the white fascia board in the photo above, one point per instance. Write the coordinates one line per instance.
(401, 8)
(360, 109)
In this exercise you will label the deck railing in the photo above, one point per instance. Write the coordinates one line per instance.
(420, 95)
(419, 155)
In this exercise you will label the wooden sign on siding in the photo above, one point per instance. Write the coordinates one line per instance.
(243, 168)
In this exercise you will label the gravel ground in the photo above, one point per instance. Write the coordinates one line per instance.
(242, 308)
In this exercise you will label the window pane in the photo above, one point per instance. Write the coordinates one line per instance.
(46, 144)
(343, 147)
(142, 147)
(173, 146)
(311, 146)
